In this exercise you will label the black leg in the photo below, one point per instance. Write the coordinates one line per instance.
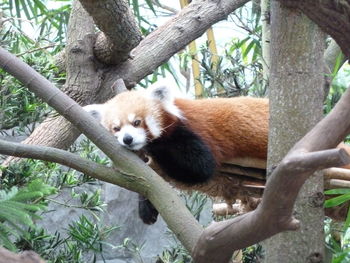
(147, 212)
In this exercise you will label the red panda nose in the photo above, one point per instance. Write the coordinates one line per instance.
(127, 139)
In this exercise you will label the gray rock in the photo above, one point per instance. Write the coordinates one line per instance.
(121, 210)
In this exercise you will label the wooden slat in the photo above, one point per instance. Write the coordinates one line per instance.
(249, 162)
(337, 173)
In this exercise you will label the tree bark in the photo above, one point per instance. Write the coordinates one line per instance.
(120, 33)
(331, 15)
(24, 257)
(296, 102)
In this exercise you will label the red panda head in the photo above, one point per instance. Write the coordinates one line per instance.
(137, 117)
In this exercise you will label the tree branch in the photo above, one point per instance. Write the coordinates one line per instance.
(165, 7)
(137, 176)
(189, 24)
(74, 161)
(120, 31)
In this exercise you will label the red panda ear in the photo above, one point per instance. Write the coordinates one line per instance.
(96, 110)
(161, 92)
(164, 94)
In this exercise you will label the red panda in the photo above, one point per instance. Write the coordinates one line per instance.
(188, 139)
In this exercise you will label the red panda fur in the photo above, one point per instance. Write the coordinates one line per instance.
(234, 127)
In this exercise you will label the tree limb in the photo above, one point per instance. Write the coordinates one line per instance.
(189, 24)
(49, 154)
(120, 32)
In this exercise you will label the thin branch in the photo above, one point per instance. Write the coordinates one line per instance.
(49, 154)
(36, 49)
(165, 7)
(337, 173)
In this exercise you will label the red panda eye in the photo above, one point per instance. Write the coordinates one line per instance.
(136, 123)
(116, 129)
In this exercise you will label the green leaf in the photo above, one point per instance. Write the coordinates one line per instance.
(337, 200)
(150, 5)
(247, 50)
(25, 9)
(4, 237)
(339, 191)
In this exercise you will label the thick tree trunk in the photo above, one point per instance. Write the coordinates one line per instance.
(296, 96)
(331, 15)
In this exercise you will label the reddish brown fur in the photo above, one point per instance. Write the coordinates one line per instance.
(235, 127)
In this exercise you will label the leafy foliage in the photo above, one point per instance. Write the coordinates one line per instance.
(239, 70)
(17, 209)
(83, 236)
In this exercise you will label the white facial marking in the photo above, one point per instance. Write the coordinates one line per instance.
(173, 109)
(116, 122)
(131, 117)
(153, 126)
(138, 135)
